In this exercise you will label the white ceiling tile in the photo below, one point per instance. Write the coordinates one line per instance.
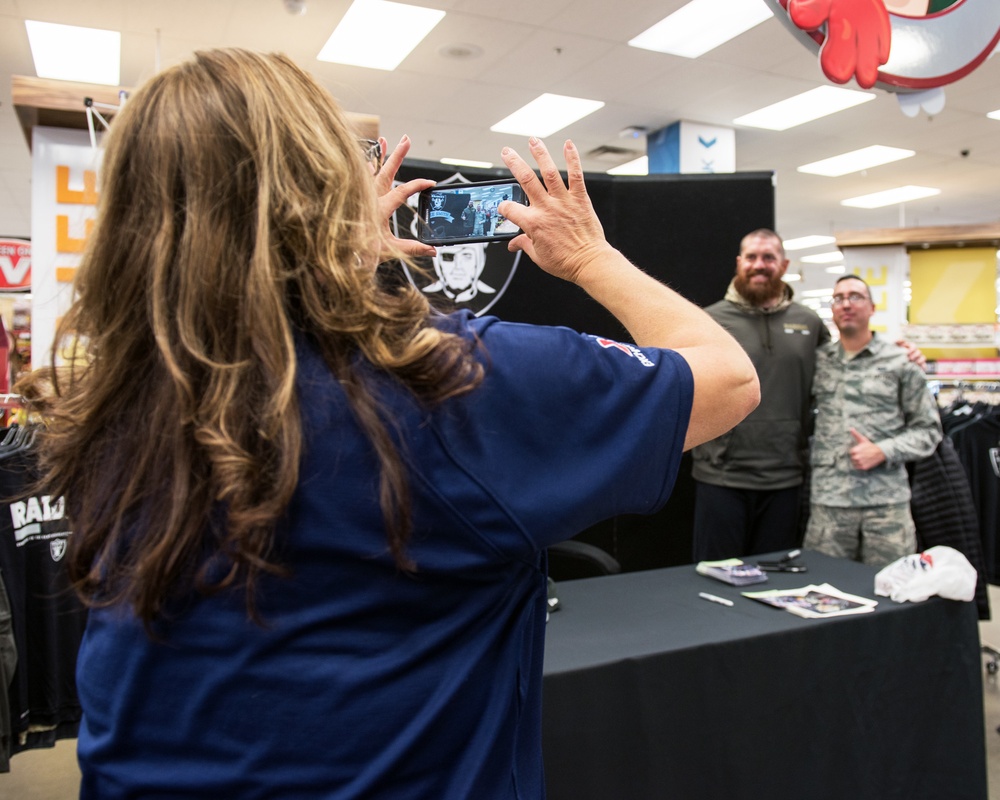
(576, 47)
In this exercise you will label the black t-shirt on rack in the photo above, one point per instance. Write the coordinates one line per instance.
(976, 436)
(48, 618)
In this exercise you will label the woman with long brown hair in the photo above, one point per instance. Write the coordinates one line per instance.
(310, 513)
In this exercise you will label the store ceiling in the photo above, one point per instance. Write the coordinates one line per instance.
(576, 47)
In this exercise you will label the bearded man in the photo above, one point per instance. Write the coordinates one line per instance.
(748, 481)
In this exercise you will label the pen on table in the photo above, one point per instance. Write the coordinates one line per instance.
(715, 599)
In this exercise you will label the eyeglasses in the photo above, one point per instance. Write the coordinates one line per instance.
(853, 299)
(372, 149)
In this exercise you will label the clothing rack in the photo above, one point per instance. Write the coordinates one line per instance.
(970, 418)
(965, 383)
(972, 391)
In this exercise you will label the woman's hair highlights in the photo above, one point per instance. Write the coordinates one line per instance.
(236, 208)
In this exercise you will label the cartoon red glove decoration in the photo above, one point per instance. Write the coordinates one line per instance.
(858, 36)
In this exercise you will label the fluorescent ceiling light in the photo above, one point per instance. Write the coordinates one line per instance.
(702, 25)
(840, 270)
(817, 293)
(637, 166)
(378, 34)
(856, 160)
(890, 197)
(805, 242)
(69, 53)
(819, 102)
(789, 277)
(465, 162)
(546, 114)
(823, 258)
(994, 114)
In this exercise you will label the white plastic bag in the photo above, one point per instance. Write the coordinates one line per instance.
(938, 570)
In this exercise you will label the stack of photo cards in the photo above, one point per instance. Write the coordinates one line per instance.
(732, 571)
(815, 602)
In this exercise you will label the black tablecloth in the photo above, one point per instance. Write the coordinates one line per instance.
(653, 692)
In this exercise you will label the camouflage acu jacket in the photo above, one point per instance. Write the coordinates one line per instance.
(884, 397)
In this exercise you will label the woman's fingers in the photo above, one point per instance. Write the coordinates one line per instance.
(550, 172)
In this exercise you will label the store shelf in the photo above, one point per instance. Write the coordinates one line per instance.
(60, 104)
(927, 236)
(971, 377)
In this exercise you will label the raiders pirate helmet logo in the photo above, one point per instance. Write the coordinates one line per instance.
(472, 276)
(57, 548)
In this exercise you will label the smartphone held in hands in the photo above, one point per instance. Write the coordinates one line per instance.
(456, 213)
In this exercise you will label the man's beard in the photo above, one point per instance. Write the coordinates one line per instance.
(759, 294)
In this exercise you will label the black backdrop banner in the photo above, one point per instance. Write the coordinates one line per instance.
(682, 229)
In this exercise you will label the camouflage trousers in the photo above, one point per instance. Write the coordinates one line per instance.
(875, 535)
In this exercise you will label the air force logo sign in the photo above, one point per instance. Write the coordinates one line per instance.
(473, 276)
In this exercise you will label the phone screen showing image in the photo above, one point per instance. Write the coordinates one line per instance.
(467, 212)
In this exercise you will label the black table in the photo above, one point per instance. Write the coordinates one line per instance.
(653, 692)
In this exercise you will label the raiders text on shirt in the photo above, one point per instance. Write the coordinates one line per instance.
(28, 515)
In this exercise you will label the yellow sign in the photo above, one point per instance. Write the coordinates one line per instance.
(954, 286)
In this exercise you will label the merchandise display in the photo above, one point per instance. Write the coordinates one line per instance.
(46, 618)
(973, 425)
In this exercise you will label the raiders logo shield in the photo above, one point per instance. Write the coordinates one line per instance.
(472, 276)
(57, 548)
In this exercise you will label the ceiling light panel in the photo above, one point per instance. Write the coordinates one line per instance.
(889, 197)
(814, 104)
(465, 162)
(71, 53)
(805, 242)
(856, 160)
(546, 114)
(378, 34)
(701, 26)
(823, 258)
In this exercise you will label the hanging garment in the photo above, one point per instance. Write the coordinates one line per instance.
(48, 619)
(975, 431)
(8, 663)
(944, 513)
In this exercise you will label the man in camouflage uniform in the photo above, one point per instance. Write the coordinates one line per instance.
(873, 414)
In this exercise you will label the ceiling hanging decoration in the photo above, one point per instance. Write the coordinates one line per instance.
(913, 48)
